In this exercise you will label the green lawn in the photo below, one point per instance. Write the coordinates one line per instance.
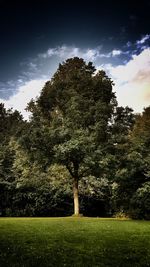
(74, 242)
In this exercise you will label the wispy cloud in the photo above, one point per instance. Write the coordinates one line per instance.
(112, 54)
(116, 52)
(64, 52)
(92, 54)
(143, 39)
(139, 45)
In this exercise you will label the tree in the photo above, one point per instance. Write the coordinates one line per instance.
(141, 142)
(132, 162)
(9, 124)
(119, 170)
(75, 107)
(141, 151)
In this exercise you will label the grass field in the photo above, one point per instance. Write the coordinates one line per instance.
(74, 242)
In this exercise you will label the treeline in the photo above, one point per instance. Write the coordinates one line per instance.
(78, 142)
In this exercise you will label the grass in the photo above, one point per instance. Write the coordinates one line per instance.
(40, 242)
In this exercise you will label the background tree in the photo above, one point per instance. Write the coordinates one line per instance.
(10, 122)
(133, 164)
(120, 144)
(141, 153)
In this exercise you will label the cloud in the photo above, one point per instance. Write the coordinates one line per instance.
(25, 93)
(143, 39)
(32, 66)
(143, 43)
(64, 52)
(112, 54)
(132, 81)
(138, 46)
(116, 53)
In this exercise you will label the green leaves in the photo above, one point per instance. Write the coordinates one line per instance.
(78, 105)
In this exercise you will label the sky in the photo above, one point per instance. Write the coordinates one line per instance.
(37, 35)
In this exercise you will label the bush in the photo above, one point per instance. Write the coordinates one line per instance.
(121, 215)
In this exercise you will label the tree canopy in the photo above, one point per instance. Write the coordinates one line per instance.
(77, 105)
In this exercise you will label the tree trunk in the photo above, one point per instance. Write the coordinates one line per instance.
(76, 197)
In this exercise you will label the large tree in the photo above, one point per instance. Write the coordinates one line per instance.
(76, 107)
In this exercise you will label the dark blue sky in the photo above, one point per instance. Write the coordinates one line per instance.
(30, 28)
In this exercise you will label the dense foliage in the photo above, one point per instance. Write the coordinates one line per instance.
(77, 138)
